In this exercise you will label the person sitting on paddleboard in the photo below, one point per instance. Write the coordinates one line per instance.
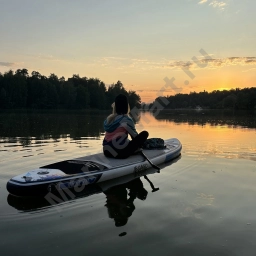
(117, 127)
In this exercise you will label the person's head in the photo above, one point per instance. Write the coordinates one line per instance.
(121, 105)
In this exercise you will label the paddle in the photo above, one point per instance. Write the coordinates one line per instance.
(141, 152)
(153, 165)
(151, 184)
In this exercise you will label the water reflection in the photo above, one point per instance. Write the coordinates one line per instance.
(207, 201)
(33, 204)
(39, 128)
(120, 196)
(212, 117)
(28, 127)
(120, 202)
(22, 127)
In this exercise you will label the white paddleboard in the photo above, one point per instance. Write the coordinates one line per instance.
(79, 172)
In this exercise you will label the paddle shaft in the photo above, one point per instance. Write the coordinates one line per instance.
(141, 152)
(151, 184)
(153, 165)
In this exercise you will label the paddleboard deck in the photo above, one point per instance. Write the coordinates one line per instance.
(82, 171)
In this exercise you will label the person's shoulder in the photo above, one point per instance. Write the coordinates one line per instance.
(128, 120)
(118, 117)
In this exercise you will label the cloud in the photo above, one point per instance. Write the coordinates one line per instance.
(231, 61)
(212, 63)
(7, 64)
(181, 64)
(215, 3)
(156, 90)
(126, 65)
(249, 70)
(43, 57)
(202, 1)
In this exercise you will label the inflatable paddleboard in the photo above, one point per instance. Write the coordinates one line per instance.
(80, 172)
(28, 204)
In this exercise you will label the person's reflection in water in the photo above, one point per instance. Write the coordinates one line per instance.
(120, 203)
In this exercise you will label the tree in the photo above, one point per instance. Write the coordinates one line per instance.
(229, 101)
(97, 92)
(22, 72)
(3, 99)
(36, 74)
(134, 99)
(53, 79)
(20, 90)
(113, 91)
(82, 98)
(62, 79)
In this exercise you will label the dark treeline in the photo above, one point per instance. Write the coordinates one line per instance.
(227, 99)
(20, 90)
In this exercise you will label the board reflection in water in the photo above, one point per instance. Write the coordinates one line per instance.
(120, 196)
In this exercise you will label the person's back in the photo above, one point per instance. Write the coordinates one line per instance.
(117, 127)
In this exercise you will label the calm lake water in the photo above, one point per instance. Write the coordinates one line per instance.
(205, 205)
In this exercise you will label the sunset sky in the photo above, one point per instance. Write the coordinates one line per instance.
(139, 42)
